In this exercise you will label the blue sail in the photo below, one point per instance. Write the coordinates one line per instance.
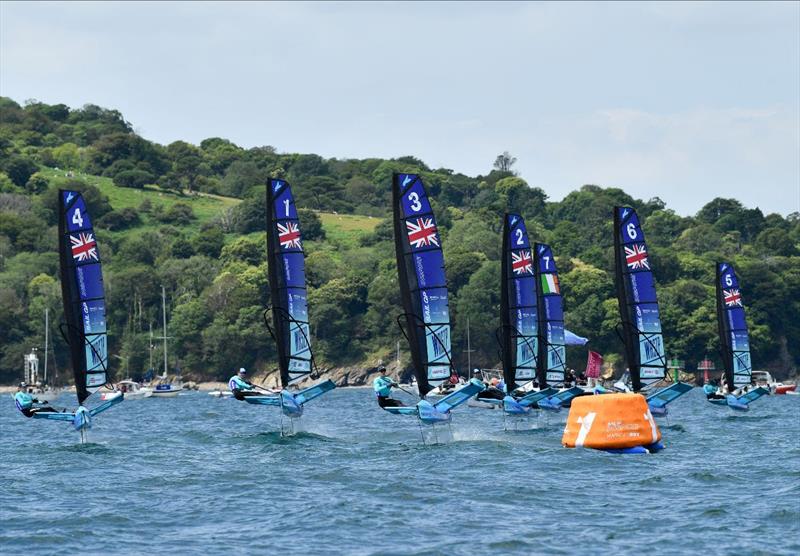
(423, 287)
(638, 305)
(518, 305)
(82, 294)
(552, 346)
(732, 325)
(287, 280)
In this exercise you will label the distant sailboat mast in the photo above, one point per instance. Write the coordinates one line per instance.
(46, 340)
(164, 325)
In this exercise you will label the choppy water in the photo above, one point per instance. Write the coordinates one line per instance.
(198, 474)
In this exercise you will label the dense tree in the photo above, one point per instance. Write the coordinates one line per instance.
(209, 253)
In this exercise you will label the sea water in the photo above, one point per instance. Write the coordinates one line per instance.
(203, 475)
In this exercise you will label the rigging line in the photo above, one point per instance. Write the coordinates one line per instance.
(517, 334)
(284, 314)
(648, 337)
(435, 335)
(83, 337)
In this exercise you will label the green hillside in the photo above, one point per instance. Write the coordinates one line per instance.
(191, 218)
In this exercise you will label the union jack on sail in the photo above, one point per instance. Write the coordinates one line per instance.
(521, 262)
(289, 235)
(636, 257)
(83, 246)
(422, 232)
(732, 298)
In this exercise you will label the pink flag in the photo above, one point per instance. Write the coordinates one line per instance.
(593, 364)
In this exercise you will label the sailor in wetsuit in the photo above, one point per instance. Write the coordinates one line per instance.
(711, 392)
(493, 392)
(25, 401)
(241, 387)
(383, 390)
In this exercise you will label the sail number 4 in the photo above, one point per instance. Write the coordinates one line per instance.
(77, 219)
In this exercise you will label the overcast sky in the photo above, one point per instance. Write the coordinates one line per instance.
(685, 101)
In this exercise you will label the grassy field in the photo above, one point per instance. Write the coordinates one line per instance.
(347, 228)
(340, 228)
(205, 207)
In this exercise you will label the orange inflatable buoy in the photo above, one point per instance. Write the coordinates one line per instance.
(614, 422)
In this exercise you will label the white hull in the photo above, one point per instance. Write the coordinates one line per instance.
(48, 395)
(165, 393)
(221, 394)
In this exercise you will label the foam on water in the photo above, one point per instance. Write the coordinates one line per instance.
(197, 474)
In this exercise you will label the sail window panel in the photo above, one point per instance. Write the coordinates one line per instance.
(524, 292)
(631, 231)
(740, 340)
(299, 367)
(77, 217)
(736, 319)
(518, 232)
(96, 350)
(526, 321)
(293, 270)
(297, 304)
(93, 316)
(414, 200)
(90, 281)
(651, 374)
(437, 343)
(651, 351)
(283, 202)
(429, 269)
(647, 318)
(642, 287)
(553, 308)
(434, 306)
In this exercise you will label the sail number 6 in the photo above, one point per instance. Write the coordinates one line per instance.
(632, 230)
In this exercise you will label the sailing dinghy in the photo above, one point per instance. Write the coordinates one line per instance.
(423, 288)
(518, 334)
(289, 328)
(735, 342)
(83, 296)
(640, 320)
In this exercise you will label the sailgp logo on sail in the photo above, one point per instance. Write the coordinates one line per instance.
(426, 307)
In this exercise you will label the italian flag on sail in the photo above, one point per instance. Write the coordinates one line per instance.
(550, 283)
